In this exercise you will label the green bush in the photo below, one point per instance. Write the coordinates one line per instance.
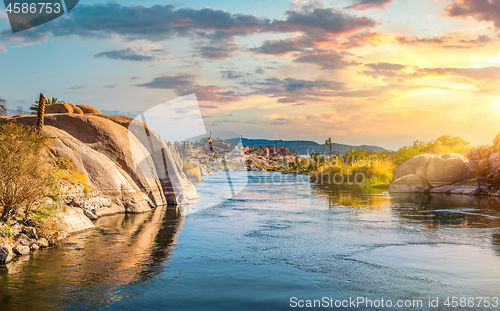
(444, 144)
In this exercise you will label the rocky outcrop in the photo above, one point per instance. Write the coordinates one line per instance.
(73, 220)
(448, 168)
(475, 172)
(63, 108)
(130, 168)
(411, 166)
(409, 183)
(120, 162)
(88, 109)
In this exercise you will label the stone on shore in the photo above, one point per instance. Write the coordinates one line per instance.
(23, 239)
(411, 166)
(90, 215)
(16, 229)
(30, 232)
(42, 242)
(494, 161)
(407, 184)
(448, 168)
(21, 250)
(6, 252)
(466, 186)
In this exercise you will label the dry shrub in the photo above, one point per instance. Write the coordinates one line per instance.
(192, 171)
(25, 174)
(47, 223)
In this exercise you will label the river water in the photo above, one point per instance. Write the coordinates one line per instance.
(279, 238)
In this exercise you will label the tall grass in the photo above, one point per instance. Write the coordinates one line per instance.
(192, 171)
(373, 173)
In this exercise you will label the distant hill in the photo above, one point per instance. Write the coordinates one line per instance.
(304, 147)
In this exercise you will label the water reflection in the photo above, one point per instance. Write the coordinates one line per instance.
(429, 210)
(90, 270)
(437, 210)
(338, 196)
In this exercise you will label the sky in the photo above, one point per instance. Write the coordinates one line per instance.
(374, 72)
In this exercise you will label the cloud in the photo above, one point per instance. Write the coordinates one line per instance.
(282, 47)
(325, 59)
(217, 52)
(386, 66)
(291, 90)
(230, 74)
(454, 42)
(365, 5)
(387, 71)
(179, 82)
(259, 71)
(125, 54)
(485, 73)
(323, 20)
(156, 23)
(481, 10)
(400, 73)
(390, 89)
(183, 84)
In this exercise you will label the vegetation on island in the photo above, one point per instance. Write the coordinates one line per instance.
(192, 171)
(370, 169)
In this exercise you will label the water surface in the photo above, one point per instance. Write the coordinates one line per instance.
(279, 238)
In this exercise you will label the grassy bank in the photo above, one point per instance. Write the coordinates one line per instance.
(371, 169)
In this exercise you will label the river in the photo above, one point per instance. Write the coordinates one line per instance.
(279, 238)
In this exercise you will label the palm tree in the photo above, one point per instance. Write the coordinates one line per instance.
(48, 101)
(40, 114)
(2, 106)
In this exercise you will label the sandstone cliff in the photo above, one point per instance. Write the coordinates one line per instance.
(118, 163)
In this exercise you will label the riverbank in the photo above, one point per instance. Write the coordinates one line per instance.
(90, 165)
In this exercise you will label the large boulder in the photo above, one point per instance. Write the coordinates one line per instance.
(466, 186)
(448, 168)
(104, 175)
(496, 141)
(88, 109)
(21, 250)
(115, 159)
(167, 161)
(73, 220)
(411, 166)
(494, 160)
(62, 108)
(407, 184)
(484, 152)
(6, 253)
